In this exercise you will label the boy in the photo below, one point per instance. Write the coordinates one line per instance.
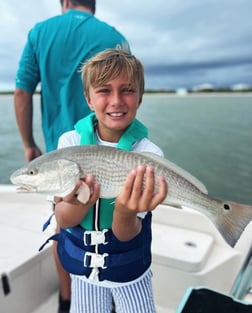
(106, 244)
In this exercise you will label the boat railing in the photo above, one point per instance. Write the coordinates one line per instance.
(243, 283)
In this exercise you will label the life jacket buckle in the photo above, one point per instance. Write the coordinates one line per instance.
(95, 260)
(95, 237)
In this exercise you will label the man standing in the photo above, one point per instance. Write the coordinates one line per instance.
(55, 50)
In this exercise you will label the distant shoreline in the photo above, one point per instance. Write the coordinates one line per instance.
(209, 93)
(237, 94)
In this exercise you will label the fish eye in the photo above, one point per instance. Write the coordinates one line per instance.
(32, 172)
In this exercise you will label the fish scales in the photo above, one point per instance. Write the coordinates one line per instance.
(111, 169)
(57, 172)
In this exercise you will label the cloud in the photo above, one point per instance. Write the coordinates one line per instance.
(181, 43)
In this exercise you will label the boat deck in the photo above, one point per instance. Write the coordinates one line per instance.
(25, 272)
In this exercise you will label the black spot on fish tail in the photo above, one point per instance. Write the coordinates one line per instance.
(226, 206)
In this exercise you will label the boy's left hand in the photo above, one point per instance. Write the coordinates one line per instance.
(138, 192)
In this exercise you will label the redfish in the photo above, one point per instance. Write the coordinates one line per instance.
(57, 172)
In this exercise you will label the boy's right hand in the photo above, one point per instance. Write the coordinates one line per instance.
(85, 191)
(69, 210)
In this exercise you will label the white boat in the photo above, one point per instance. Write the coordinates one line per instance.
(187, 251)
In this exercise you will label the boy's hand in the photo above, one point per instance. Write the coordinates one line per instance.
(138, 192)
(87, 192)
(71, 209)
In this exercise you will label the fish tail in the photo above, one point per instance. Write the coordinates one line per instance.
(233, 221)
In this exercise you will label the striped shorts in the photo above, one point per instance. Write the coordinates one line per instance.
(129, 298)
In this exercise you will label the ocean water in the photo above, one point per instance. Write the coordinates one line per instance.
(210, 136)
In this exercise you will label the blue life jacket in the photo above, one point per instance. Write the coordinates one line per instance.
(118, 261)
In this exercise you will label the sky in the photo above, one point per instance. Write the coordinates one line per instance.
(181, 43)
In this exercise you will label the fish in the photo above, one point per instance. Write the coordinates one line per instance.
(57, 173)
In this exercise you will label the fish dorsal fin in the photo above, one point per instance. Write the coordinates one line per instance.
(177, 169)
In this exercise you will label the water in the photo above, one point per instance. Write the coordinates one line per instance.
(210, 136)
(11, 149)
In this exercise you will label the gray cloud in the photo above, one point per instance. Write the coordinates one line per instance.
(181, 43)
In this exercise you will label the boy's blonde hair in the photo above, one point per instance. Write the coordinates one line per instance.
(110, 63)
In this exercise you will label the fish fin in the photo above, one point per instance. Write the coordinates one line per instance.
(70, 173)
(174, 205)
(179, 170)
(233, 221)
(84, 193)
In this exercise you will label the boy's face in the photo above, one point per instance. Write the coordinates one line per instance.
(115, 105)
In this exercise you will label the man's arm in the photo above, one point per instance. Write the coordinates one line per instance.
(23, 102)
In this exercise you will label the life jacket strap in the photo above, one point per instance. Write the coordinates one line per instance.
(47, 223)
(92, 259)
(88, 259)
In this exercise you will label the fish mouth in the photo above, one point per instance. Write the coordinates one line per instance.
(25, 189)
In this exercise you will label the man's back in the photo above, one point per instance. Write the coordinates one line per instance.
(55, 50)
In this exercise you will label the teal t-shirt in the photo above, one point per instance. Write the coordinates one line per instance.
(53, 54)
